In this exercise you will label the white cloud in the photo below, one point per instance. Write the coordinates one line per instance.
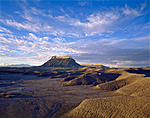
(111, 41)
(97, 23)
(34, 27)
(46, 38)
(97, 20)
(38, 52)
(58, 40)
(144, 38)
(36, 11)
(27, 26)
(34, 48)
(143, 6)
(32, 37)
(31, 13)
(101, 22)
(131, 63)
(130, 11)
(4, 30)
(4, 39)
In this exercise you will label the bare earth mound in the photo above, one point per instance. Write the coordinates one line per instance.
(131, 101)
(114, 107)
(88, 76)
(128, 84)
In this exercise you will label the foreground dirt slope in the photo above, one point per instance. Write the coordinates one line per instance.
(140, 87)
(114, 107)
(128, 84)
(131, 101)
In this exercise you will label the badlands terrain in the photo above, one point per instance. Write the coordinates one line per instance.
(74, 92)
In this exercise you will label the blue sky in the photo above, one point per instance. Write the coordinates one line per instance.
(112, 32)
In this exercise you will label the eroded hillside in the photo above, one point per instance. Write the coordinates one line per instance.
(132, 84)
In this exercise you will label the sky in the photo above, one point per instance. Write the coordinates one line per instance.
(112, 32)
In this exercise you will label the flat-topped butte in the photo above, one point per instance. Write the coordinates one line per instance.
(61, 61)
(61, 57)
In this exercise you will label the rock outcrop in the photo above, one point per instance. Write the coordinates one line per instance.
(61, 61)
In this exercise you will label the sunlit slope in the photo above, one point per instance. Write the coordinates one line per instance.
(114, 107)
(128, 84)
(140, 87)
(131, 97)
(88, 76)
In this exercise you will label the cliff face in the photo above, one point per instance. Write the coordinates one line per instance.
(61, 62)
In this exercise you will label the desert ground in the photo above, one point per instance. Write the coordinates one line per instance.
(85, 92)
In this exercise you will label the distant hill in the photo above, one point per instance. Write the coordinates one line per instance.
(61, 61)
(95, 65)
(17, 65)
